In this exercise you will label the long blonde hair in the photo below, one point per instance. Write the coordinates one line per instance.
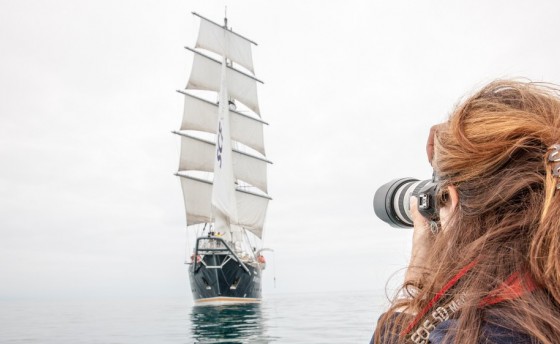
(494, 150)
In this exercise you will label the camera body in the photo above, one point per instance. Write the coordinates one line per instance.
(391, 202)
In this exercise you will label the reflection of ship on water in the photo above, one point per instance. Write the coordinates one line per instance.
(233, 323)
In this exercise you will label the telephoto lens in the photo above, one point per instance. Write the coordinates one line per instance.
(391, 202)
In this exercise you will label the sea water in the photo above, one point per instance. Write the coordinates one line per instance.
(341, 317)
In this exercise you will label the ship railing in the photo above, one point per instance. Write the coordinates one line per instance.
(213, 245)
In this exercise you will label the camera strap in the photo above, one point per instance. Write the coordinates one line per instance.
(419, 329)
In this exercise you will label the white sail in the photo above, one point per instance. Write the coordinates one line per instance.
(202, 115)
(223, 192)
(206, 75)
(198, 204)
(224, 200)
(197, 193)
(215, 38)
(197, 155)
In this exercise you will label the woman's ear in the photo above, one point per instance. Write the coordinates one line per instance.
(453, 196)
(446, 211)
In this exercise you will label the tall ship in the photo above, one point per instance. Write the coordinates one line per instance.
(223, 168)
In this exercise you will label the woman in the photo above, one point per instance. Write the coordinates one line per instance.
(492, 272)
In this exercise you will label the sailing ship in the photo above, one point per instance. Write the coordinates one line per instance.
(223, 168)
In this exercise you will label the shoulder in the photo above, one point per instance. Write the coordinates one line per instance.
(491, 333)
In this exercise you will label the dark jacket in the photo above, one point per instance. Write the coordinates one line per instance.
(491, 334)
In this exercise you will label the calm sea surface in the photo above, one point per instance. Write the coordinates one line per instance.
(287, 318)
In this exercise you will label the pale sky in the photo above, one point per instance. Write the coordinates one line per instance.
(89, 205)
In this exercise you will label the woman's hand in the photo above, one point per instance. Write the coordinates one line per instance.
(422, 240)
(430, 143)
(422, 237)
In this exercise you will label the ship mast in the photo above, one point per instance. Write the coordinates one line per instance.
(225, 18)
(237, 193)
(229, 63)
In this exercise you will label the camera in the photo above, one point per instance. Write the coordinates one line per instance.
(391, 202)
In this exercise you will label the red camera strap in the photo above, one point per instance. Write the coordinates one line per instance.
(514, 286)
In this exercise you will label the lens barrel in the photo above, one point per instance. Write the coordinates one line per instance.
(391, 202)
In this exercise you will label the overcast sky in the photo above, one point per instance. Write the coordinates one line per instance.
(89, 205)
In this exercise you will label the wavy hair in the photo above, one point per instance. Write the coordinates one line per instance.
(494, 150)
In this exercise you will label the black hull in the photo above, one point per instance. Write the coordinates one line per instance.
(221, 277)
